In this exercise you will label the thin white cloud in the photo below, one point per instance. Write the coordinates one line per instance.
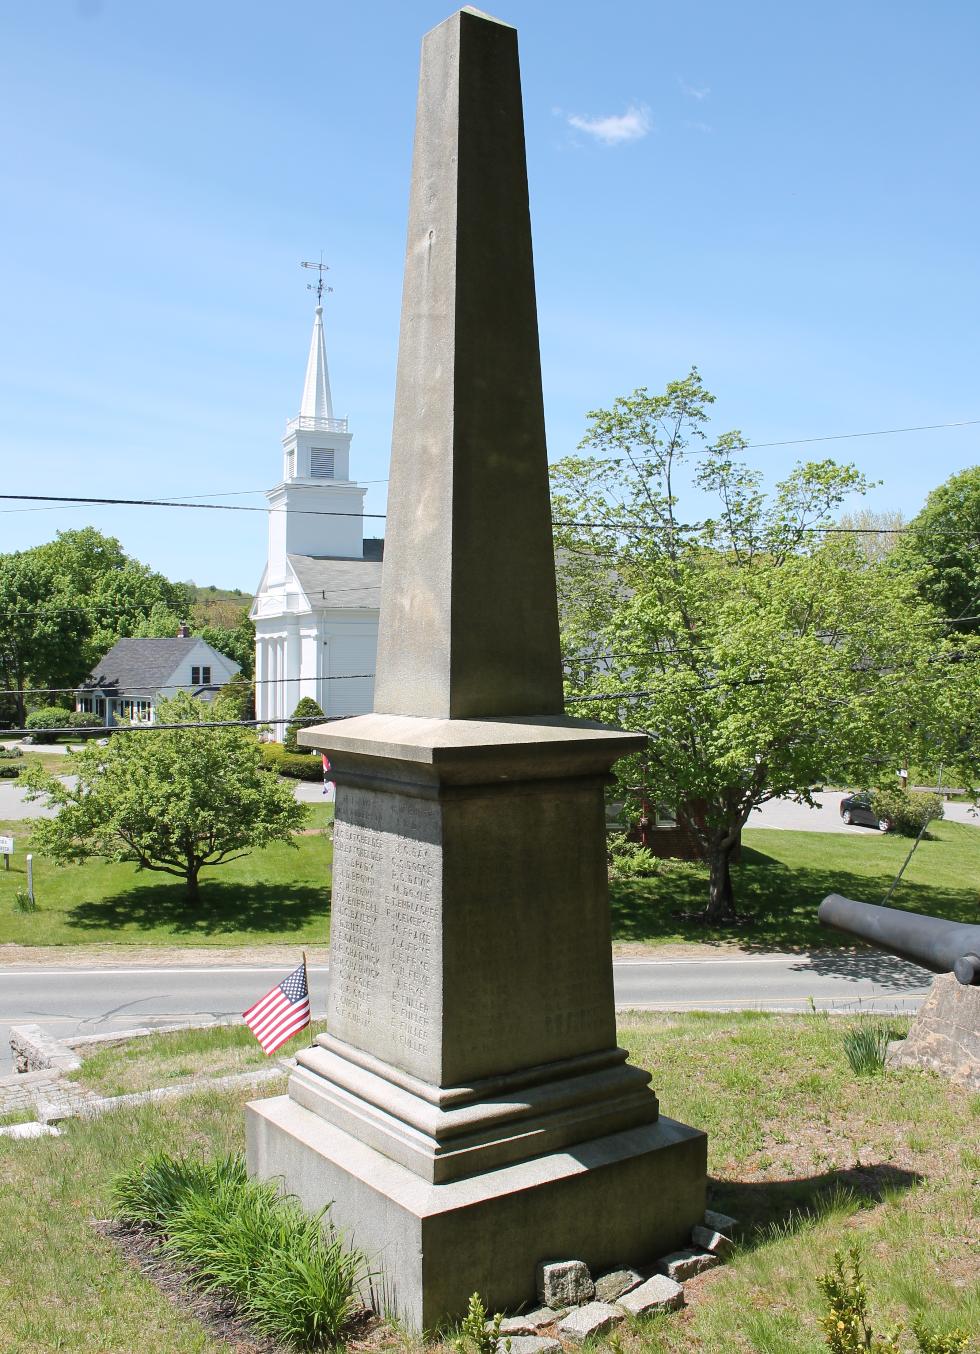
(698, 92)
(615, 128)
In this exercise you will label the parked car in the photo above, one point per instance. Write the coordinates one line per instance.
(857, 808)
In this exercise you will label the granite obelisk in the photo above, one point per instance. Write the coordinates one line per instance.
(468, 1112)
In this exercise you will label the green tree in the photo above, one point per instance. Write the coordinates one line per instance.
(766, 653)
(43, 630)
(943, 542)
(234, 641)
(175, 801)
(235, 700)
(306, 709)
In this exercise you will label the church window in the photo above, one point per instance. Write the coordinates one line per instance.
(290, 464)
(321, 463)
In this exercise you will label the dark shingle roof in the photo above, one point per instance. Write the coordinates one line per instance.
(140, 664)
(340, 583)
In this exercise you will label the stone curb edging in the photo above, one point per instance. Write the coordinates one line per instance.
(42, 1083)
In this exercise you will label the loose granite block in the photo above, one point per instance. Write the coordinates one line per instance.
(658, 1294)
(564, 1283)
(707, 1239)
(719, 1222)
(528, 1344)
(530, 1321)
(590, 1321)
(618, 1281)
(685, 1264)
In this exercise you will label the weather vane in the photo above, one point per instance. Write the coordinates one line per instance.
(318, 286)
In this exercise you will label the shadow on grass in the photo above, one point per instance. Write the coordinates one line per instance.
(766, 1209)
(778, 903)
(220, 909)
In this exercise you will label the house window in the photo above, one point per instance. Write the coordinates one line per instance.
(195, 676)
(100, 708)
(205, 675)
(665, 816)
(321, 463)
(85, 704)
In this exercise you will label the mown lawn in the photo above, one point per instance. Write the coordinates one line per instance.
(807, 1155)
(282, 894)
(783, 876)
(278, 893)
(178, 1055)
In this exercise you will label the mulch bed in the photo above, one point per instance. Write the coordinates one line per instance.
(215, 1312)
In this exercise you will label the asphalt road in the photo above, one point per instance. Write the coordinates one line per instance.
(89, 1001)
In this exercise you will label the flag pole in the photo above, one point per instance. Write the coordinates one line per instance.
(306, 975)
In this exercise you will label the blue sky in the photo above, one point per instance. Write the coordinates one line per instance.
(785, 195)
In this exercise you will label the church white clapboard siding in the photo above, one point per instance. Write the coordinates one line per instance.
(316, 608)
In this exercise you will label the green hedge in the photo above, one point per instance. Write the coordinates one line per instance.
(297, 765)
(58, 717)
(9, 772)
(908, 811)
(10, 754)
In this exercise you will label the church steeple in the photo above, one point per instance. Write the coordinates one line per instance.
(316, 402)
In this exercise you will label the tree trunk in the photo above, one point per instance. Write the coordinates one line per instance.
(191, 888)
(721, 896)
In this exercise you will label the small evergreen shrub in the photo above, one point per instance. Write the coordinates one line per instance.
(9, 772)
(865, 1046)
(846, 1325)
(10, 754)
(307, 709)
(296, 765)
(45, 718)
(291, 1276)
(908, 811)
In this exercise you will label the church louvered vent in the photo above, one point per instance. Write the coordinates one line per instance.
(321, 463)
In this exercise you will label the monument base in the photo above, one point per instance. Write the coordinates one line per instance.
(945, 1035)
(626, 1198)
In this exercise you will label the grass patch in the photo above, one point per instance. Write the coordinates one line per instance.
(866, 1045)
(174, 1056)
(283, 1268)
(277, 893)
(17, 1117)
(783, 876)
(807, 1155)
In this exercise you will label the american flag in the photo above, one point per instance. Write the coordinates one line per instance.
(282, 1012)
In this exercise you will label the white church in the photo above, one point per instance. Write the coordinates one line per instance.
(316, 608)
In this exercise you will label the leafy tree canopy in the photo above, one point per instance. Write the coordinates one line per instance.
(175, 801)
(765, 653)
(943, 541)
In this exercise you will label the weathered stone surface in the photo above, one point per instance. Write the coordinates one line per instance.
(529, 1322)
(719, 1222)
(469, 1111)
(33, 1130)
(528, 1344)
(563, 1283)
(685, 1264)
(590, 1321)
(707, 1239)
(608, 1287)
(945, 1034)
(657, 1294)
(35, 1050)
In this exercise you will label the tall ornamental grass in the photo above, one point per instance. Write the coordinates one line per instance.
(287, 1270)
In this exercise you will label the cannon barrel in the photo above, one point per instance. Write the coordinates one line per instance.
(942, 946)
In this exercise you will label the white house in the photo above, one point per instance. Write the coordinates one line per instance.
(316, 607)
(130, 681)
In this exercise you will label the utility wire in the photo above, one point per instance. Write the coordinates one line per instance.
(877, 432)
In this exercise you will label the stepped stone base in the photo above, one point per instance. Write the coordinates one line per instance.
(630, 1196)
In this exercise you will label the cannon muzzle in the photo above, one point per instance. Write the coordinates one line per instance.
(942, 946)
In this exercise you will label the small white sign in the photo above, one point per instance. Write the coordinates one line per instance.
(6, 846)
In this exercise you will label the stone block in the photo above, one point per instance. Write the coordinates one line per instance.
(529, 1322)
(34, 1130)
(707, 1239)
(528, 1344)
(563, 1283)
(608, 1287)
(685, 1264)
(719, 1222)
(590, 1321)
(658, 1294)
(33, 1050)
(633, 1193)
(945, 1034)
